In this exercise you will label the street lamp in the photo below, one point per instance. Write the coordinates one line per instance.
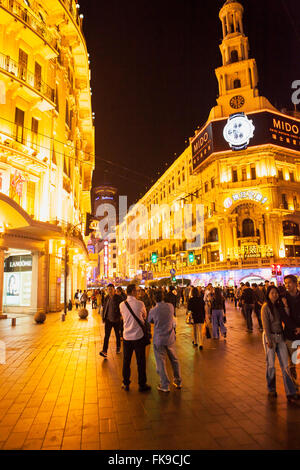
(69, 232)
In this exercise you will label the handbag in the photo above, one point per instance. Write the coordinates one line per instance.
(146, 327)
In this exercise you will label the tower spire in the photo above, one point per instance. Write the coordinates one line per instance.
(238, 76)
(231, 16)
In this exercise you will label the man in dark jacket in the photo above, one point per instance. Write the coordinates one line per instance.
(111, 318)
(248, 304)
(292, 321)
(171, 298)
(259, 298)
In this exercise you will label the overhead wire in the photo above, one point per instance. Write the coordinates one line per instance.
(53, 140)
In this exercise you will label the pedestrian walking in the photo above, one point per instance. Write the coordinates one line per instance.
(162, 315)
(236, 299)
(218, 311)
(112, 319)
(94, 300)
(98, 298)
(196, 305)
(83, 299)
(259, 300)
(207, 299)
(247, 299)
(171, 298)
(273, 311)
(77, 299)
(133, 338)
(121, 293)
(292, 321)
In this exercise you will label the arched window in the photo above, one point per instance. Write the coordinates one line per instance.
(213, 236)
(234, 56)
(290, 228)
(248, 228)
(237, 83)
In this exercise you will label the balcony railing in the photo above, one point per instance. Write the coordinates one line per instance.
(71, 7)
(37, 25)
(21, 72)
(219, 266)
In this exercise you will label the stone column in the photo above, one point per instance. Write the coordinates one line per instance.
(241, 25)
(223, 241)
(42, 267)
(228, 24)
(224, 27)
(234, 23)
(261, 231)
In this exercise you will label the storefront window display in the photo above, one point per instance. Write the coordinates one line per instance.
(17, 280)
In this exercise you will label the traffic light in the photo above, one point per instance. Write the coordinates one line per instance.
(173, 278)
(154, 258)
(191, 257)
(278, 270)
(274, 270)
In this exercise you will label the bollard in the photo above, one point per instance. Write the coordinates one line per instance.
(13, 322)
(63, 317)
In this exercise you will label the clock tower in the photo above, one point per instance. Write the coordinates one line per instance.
(238, 76)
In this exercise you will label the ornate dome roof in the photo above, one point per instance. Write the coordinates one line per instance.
(231, 1)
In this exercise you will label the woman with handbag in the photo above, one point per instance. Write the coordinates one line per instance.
(196, 305)
(273, 310)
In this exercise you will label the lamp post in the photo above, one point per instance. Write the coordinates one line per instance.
(69, 232)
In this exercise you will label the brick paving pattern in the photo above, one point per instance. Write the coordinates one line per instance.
(56, 392)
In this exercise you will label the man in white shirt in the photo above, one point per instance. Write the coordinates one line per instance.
(133, 339)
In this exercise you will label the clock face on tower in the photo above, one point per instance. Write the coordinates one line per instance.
(237, 102)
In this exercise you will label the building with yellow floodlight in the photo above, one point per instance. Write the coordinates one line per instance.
(243, 166)
(46, 154)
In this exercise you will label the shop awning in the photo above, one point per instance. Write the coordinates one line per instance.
(12, 215)
(16, 220)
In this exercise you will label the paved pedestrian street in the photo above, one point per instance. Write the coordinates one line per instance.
(56, 392)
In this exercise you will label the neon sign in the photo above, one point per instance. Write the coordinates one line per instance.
(252, 195)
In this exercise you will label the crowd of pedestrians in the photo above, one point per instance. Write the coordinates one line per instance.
(277, 310)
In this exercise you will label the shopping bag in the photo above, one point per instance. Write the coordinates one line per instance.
(189, 318)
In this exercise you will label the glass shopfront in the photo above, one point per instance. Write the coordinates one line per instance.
(17, 279)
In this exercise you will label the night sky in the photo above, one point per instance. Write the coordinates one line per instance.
(153, 78)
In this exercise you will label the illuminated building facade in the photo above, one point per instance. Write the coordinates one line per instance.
(105, 206)
(46, 153)
(243, 166)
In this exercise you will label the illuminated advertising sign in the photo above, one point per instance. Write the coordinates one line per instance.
(17, 281)
(270, 128)
(106, 255)
(238, 131)
(252, 195)
(202, 146)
